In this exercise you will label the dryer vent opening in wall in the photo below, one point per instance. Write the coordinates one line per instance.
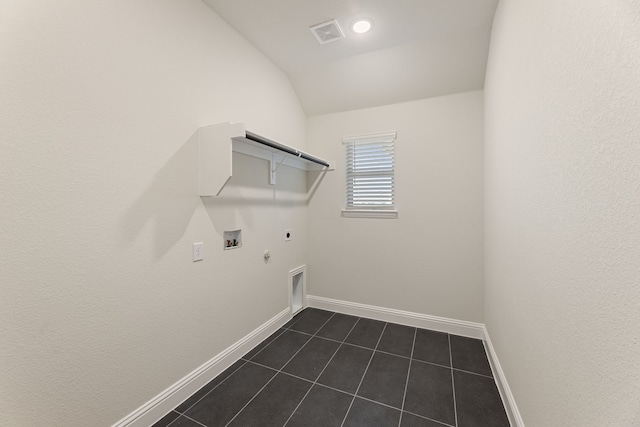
(297, 289)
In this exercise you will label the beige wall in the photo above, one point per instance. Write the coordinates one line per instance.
(101, 307)
(429, 260)
(562, 137)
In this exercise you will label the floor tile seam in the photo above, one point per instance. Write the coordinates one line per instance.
(186, 416)
(327, 338)
(430, 363)
(334, 389)
(406, 384)
(207, 393)
(304, 379)
(427, 418)
(282, 331)
(300, 315)
(318, 384)
(174, 420)
(304, 345)
(267, 383)
(314, 382)
(363, 374)
(474, 373)
(379, 403)
(252, 399)
(392, 354)
(344, 341)
(333, 313)
(453, 384)
(315, 334)
(297, 406)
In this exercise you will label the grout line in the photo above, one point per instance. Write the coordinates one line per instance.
(453, 383)
(364, 374)
(431, 363)
(175, 419)
(281, 369)
(321, 372)
(427, 418)
(281, 330)
(474, 373)
(189, 418)
(207, 393)
(268, 382)
(315, 382)
(406, 384)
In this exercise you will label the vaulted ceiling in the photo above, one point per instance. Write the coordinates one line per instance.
(416, 48)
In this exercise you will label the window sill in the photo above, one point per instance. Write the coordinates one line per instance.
(370, 213)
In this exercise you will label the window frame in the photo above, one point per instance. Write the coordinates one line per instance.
(370, 211)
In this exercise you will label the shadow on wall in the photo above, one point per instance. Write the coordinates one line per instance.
(169, 202)
(171, 199)
(314, 179)
(248, 194)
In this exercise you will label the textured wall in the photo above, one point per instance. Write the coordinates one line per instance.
(562, 228)
(101, 307)
(429, 259)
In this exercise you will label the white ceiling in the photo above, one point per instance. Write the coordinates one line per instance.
(416, 49)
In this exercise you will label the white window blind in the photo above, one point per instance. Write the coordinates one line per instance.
(370, 164)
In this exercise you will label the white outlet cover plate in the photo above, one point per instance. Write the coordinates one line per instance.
(198, 254)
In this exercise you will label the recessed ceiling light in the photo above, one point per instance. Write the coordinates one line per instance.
(361, 26)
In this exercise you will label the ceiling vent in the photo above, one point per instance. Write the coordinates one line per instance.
(327, 32)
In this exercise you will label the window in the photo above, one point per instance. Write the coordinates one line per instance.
(370, 176)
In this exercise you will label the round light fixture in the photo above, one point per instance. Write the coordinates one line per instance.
(361, 26)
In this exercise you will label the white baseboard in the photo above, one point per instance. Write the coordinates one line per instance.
(166, 401)
(435, 323)
(503, 386)
(173, 396)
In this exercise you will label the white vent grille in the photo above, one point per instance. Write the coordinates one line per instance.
(327, 32)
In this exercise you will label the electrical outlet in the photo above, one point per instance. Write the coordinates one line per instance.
(287, 234)
(198, 255)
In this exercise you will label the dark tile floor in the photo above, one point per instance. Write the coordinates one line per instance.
(329, 369)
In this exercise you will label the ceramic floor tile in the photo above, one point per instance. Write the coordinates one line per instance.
(182, 421)
(321, 407)
(296, 318)
(410, 420)
(312, 359)
(430, 392)
(257, 349)
(312, 321)
(385, 379)
(364, 413)
(432, 346)
(366, 333)
(219, 406)
(397, 339)
(346, 369)
(410, 363)
(338, 327)
(275, 403)
(167, 419)
(278, 352)
(468, 354)
(478, 401)
(182, 408)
